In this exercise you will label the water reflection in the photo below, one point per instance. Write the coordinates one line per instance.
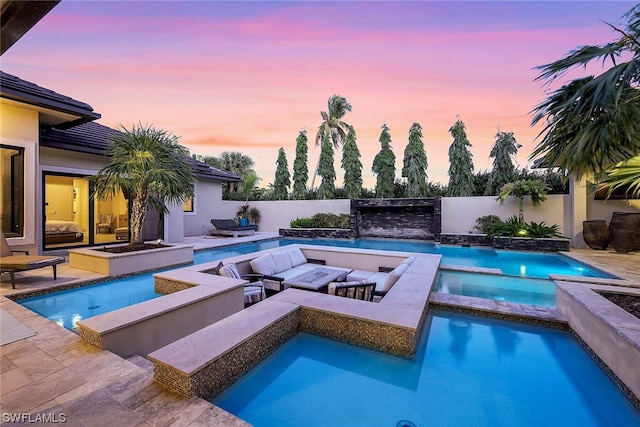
(461, 333)
(506, 340)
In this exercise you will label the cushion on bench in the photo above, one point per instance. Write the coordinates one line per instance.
(393, 277)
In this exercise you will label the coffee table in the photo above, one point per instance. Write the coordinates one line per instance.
(316, 279)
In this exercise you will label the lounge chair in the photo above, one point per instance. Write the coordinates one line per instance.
(357, 289)
(228, 227)
(253, 291)
(10, 263)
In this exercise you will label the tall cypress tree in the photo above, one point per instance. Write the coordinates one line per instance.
(282, 182)
(326, 169)
(460, 163)
(415, 163)
(384, 166)
(504, 170)
(300, 167)
(352, 166)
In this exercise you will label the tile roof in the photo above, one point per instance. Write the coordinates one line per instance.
(14, 88)
(94, 138)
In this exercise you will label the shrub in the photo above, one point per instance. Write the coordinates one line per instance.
(494, 226)
(543, 230)
(301, 223)
(322, 220)
(484, 221)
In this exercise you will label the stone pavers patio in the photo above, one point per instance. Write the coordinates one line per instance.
(53, 373)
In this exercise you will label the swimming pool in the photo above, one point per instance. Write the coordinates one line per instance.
(522, 290)
(514, 263)
(68, 307)
(469, 371)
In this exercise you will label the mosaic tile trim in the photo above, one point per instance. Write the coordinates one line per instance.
(511, 317)
(227, 369)
(633, 399)
(364, 333)
(167, 286)
(90, 337)
(80, 284)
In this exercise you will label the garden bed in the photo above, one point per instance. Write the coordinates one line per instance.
(310, 233)
(629, 303)
(118, 264)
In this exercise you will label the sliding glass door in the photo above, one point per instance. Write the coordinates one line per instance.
(72, 219)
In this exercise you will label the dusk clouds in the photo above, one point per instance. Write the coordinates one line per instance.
(247, 76)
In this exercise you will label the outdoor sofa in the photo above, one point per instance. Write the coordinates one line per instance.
(277, 267)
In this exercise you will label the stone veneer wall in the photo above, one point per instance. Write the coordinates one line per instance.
(310, 233)
(407, 218)
(465, 239)
(218, 375)
(361, 332)
(513, 243)
(528, 244)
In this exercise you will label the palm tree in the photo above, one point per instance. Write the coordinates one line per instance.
(149, 165)
(235, 163)
(624, 175)
(521, 188)
(332, 125)
(592, 122)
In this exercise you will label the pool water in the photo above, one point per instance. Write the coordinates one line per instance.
(469, 371)
(68, 307)
(526, 264)
(500, 288)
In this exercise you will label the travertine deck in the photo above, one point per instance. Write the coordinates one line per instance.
(53, 372)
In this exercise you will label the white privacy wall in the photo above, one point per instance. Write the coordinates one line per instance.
(459, 213)
(278, 214)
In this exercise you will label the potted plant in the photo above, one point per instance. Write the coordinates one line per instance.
(254, 216)
(244, 211)
(243, 215)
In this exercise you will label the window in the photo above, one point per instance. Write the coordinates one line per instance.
(12, 212)
(188, 205)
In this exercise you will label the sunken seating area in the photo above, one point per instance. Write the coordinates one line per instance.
(209, 360)
(280, 266)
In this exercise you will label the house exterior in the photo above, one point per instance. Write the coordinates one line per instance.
(50, 144)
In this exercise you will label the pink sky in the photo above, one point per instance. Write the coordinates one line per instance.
(247, 76)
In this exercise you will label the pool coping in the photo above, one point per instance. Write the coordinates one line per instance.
(81, 282)
(610, 331)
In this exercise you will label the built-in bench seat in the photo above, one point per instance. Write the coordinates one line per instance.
(278, 267)
(209, 360)
(384, 278)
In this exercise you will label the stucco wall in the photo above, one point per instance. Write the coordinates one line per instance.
(600, 209)
(19, 128)
(278, 214)
(459, 213)
(208, 204)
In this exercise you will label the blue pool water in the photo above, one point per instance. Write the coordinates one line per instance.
(68, 307)
(516, 289)
(469, 371)
(513, 263)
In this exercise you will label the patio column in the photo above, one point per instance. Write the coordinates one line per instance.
(577, 210)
